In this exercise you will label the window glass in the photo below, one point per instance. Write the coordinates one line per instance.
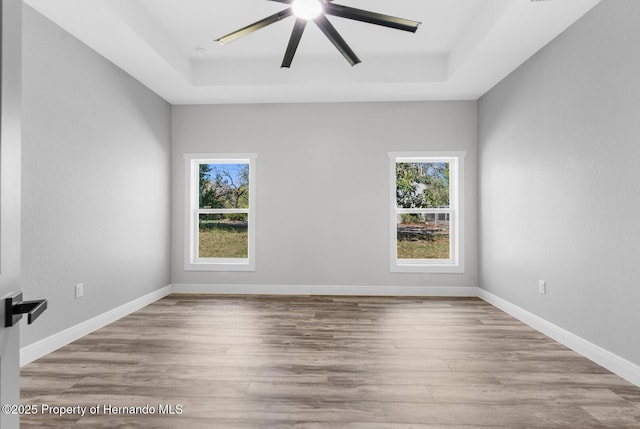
(223, 235)
(422, 184)
(423, 236)
(224, 186)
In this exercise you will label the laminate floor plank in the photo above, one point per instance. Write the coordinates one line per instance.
(318, 362)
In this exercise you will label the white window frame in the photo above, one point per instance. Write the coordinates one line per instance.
(192, 188)
(455, 264)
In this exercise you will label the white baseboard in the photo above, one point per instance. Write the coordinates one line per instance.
(248, 289)
(47, 345)
(614, 363)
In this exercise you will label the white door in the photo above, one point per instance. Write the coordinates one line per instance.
(10, 161)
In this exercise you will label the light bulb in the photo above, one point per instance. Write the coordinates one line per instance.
(307, 9)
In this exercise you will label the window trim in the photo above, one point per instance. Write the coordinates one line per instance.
(456, 182)
(192, 211)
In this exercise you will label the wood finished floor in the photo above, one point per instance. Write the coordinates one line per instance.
(326, 362)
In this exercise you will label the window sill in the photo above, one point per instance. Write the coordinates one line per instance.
(424, 268)
(213, 266)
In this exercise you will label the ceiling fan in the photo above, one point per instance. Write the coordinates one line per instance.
(316, 11)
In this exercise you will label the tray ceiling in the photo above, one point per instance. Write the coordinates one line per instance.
(461, 50)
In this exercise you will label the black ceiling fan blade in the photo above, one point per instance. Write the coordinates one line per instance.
(337, 40)
(371, 17)
(291, 1)
(294, 41)
(255, 26)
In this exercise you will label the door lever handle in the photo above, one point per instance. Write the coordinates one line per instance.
(15, 307)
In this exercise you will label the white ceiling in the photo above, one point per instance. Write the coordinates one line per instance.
(461, 50)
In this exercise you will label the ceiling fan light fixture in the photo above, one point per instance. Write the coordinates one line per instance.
(307, 9)
(316, 10)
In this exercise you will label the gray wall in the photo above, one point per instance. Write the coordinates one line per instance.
(559, 144)
(323, 185)
(96, 180)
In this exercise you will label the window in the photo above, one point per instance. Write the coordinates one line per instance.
(426, 212)
(220, 220)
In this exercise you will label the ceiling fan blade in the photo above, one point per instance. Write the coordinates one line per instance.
(291, 1)
(371, 17)
(294, 41)
(255, 26)
(337, 40)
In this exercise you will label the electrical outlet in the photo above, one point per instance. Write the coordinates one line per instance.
(79, 290)
(542, 287)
